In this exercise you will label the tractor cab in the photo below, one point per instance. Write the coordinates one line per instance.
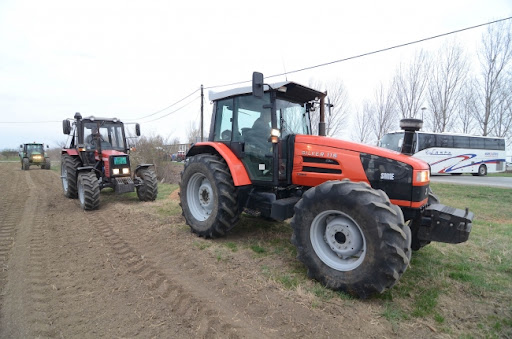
(259, 129)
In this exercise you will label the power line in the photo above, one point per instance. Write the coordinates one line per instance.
(28, 122)
(163, 109)
(368, 53)
(176, 110)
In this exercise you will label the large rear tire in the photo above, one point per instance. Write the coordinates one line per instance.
(68, 168)
(148, 190)
(351, 238)
(88, 191)
(208, 196)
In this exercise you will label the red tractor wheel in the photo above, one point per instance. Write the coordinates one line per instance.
(351, 238)
(208, 196)
(68, 168)
(148, 189)
(88, 191)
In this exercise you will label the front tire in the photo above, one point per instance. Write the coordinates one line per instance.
(351, 238)
(482, 170)
(26, 164)
(68, 168)
(88, 191)
(208, 196)
(148, 190)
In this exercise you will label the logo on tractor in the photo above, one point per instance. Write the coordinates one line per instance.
(387, 176)
(320, 154)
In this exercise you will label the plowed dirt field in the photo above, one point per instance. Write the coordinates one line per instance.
(131, 270)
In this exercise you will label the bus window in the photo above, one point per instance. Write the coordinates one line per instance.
(444, 141)
(460, 141)
(425, 141)
(476, 143)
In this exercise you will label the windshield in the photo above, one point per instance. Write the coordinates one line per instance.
(392, 141)
(35, 148)
(110, 135)
(292, 118)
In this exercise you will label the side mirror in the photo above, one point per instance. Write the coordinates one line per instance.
(137, 129)
(257, 84)
(66, 126)
(21, 146)
(47, 146)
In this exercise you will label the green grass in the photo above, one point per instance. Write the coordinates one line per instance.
(479, 271)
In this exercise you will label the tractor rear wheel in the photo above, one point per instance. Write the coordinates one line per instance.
(68, 168)
(148, 190)
(88, 191)
(26, 164)
(208, 196)
(351, 238)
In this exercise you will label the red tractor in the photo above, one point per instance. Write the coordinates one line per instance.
(357, 211)
(97, 157)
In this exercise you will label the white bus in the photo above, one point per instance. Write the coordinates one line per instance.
(453, 153)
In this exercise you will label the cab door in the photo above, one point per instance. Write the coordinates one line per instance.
(244, 122)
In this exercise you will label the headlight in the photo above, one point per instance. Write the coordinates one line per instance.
(115, 171)
(126, 171)
(422, 176)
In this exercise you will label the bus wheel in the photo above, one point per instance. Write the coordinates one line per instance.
(482, 170)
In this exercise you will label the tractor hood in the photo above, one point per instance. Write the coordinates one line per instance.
(318, 159)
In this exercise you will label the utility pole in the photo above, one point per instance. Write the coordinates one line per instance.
(202, 111)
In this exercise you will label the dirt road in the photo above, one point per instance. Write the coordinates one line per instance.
(128, 271)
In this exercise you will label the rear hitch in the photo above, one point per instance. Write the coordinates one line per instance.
(445, 224)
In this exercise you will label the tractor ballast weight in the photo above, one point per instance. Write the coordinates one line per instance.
(357, 211)
(34, 154)
(97, 157)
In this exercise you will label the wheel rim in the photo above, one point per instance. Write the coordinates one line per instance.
(64, 176)
(338, 240)
(200, 197)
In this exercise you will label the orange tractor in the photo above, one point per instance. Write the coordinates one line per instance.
(357, 211)
(97, 157)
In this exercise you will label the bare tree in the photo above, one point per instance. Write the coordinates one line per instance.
(384, 111)
(447, 75)
(363, 125)
(193, 132)
(336, 118)
(495, 59)
(467, 108)
(409, 85)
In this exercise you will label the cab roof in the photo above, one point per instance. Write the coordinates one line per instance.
(288, 90)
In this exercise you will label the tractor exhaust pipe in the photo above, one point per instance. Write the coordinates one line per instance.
(410, 127)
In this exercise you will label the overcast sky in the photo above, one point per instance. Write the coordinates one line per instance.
(130, 59)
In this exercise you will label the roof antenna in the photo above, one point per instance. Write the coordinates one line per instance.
(284, 67)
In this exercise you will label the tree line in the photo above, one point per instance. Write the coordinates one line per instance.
(446, 89)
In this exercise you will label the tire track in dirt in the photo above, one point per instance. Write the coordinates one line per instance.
(187, 309)
(27, 290)
(9, 218)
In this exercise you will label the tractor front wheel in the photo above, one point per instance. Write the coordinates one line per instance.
(68, 168)
(88, 191)
(26, 164)
(208, 196)
(351, 238)
(148, 189)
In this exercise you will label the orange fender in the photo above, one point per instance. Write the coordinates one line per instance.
(236, 167)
